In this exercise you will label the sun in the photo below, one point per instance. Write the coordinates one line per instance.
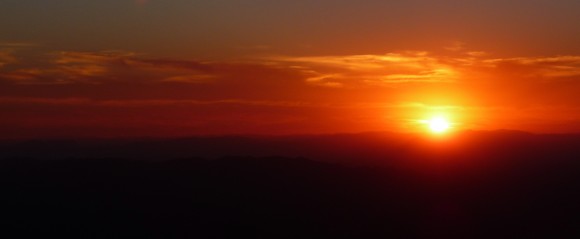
(438, 125)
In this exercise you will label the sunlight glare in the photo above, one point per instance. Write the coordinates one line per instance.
(438, 125)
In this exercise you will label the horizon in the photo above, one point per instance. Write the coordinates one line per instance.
(423, 134)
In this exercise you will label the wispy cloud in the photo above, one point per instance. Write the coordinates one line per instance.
(456, 46)
(6, 57)
(102, 67)
(402, 69)
(540, 67)
(190, 78)
(71, 57)
(149, 102)
(44, 101)
(5, 44)
(406, 67)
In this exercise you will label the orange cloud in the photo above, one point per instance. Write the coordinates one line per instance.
(101, 67)
(149, 102)
(543, 67)
(6, 57)
(190, 78)
(44, 101)
(360, 70)
(350, 71)
(355, 88)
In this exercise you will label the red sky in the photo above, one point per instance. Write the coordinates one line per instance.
(152, 68)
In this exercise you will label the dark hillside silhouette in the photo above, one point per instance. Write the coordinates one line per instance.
(475, 185)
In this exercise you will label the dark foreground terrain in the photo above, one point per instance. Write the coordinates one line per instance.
(478, 185)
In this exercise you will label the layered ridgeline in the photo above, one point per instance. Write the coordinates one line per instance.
(469, 185)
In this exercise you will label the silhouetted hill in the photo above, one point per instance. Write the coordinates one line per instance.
(500, 184)
(364, 148)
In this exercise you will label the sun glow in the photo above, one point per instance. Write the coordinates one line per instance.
(438, 125)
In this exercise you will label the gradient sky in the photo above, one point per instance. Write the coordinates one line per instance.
(121, 68)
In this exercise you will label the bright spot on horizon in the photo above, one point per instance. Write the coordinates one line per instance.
(438, 125)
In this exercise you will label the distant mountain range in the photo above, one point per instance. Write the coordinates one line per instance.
(499, 184)
(365, 148)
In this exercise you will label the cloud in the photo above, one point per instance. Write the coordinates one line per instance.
(71, 67)
(44, 101)
(66, 68)
(364, 62)
(360, 70)
(22, 75)
(73, 57)
(75, 101)
(6, 57)
(546, 68)
(169, 64)
(390, 70)
(5, 44)
(329, 80)
(190, 79)
(456, 46)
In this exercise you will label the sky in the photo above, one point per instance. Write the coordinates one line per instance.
(126, 68)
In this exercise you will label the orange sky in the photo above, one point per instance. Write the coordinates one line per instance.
(284, 68)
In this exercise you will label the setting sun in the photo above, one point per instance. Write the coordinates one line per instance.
(438, 125)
